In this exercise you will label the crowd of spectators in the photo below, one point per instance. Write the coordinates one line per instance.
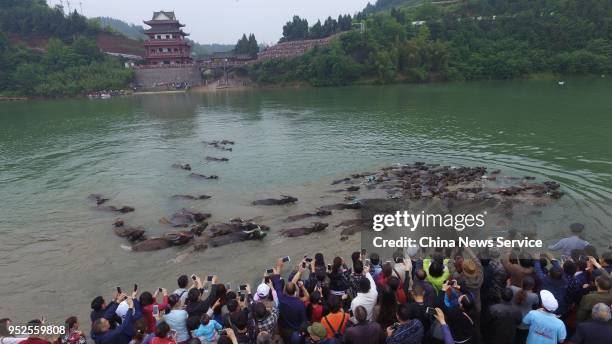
(434, 297)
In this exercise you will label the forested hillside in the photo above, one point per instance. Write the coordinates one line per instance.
(466, 40)
(129, 30)
(71, 62)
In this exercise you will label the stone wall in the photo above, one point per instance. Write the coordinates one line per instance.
(164, 78)
(291, 49)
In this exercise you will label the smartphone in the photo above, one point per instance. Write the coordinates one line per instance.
(266, 279)
(119, 290)
(430, 311)
(270, 271)
(194, 277)
(286, 259)
(308, 260)
(367, 261)
(135, 287)
(243, 287)
(399, 260)
(155, 310)
(209, 278)
(329, 267)
(303, 265)
(160, 289)
(363, 252)
(241, 298)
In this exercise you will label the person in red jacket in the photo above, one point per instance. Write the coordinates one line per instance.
(389, 277)
(148, 302)
(163, 335)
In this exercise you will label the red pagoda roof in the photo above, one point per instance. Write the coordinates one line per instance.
(164, 22)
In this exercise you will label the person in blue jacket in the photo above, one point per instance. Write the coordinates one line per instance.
(103, 334)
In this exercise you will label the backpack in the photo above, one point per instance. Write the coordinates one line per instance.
(337, 334)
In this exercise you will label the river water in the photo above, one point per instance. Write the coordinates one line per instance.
(56, 252)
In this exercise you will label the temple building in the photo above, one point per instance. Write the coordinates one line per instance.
(166, 44)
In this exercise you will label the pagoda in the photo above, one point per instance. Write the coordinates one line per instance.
(166, 43)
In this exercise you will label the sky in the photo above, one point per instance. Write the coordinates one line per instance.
(221, 21)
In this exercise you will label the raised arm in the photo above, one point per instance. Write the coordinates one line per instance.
(558, 246)
(538, 270)
(305, 294)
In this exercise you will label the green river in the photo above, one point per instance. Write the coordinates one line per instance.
(57, 252)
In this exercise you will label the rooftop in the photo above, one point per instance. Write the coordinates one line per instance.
(163, 15)
(163, 18)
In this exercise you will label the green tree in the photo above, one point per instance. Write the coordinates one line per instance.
(316, 31)
(242, 47)
(295, 30)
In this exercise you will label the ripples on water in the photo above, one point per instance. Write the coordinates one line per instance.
(54, 153)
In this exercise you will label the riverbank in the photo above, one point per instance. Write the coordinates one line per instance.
(11, 98)
(403, 80)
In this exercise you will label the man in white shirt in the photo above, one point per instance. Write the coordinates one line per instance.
(367, 294)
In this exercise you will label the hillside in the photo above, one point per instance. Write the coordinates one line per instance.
(131, 31)
(47, 52)
(466, 40)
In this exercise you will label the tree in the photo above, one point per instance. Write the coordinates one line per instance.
(242, 47)
(330, 27)
(295, 30)
(344, 22)
(247, 46)
(316, 31)
(253, 45)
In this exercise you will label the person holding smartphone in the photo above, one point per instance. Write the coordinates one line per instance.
(101, 332)
(177, 319)
(367, 294)
(292, 309)
(194, 305)
(181, 291)
(148, 301)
